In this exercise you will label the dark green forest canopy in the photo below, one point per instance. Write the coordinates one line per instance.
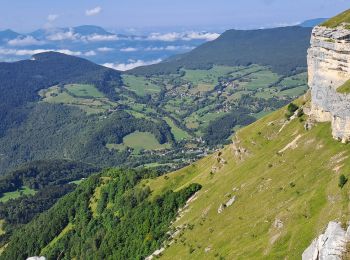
(125, 224)
(283, 49)
(21, 81)
(74, 136)
(49, 179)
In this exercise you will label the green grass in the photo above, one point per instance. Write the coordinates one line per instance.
(139, 141)
(77, 182)
(86, 97)
(294, 92)
(16, 194)
(206, 77)
(294, 81)
(143, 140)
(178, 133)
(298, 186)
(97, 195)
(140, 85)
(155, 164)
(345, 88)
(84, 90)
(2, 230)
(261, 79)
(344, 17)
(67, 229)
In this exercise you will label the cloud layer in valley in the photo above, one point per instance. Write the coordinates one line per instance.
(130, 65)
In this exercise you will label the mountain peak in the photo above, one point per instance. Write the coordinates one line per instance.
(90, 29)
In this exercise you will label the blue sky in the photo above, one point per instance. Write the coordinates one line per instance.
(25, 15)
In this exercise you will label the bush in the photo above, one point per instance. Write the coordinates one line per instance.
(342, 181)
(290, 110)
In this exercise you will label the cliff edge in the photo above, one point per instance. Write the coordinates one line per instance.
(329, 71)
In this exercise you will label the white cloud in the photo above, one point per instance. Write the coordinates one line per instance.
(105, 49)
(52, 17)
(63, 36)
(27, 52)
(132, 64)
(167, 37)
(24, 41)
(73, 36)
(186, 36)
(21, 52)
(69, 52)
(170, 48)
(202, 36)
(100, 38)
(93, 11)
(90, 53)
(129, 49)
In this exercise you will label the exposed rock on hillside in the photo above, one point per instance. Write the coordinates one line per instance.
(329, 68)
(331, 245)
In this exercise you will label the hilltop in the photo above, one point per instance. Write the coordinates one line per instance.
(267, 47)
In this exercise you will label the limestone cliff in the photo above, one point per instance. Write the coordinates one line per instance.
(329, 68)
(331, 245)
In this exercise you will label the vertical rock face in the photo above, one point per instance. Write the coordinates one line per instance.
(331, 245)
(329, 68)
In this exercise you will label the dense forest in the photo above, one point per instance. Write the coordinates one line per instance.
(74, 136)
(21, 81)
(283, 49)
(49, 179)
(109, 215)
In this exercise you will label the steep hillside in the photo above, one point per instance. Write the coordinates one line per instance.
(106, 211)
(34, 188)
(265, 196)
(282, 182)
(283, 49)
(334, 22)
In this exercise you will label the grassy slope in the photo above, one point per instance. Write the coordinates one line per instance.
(178, 133)
(139, 140)
(298, 187)
(344, 17)
(140, 85)
(345, 88)
(16, 194)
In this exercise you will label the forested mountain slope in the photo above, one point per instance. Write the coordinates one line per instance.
(283, 49)
(56, 106)
(21, 81)
(265, 196)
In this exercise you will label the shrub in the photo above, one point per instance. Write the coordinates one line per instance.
(342, 181)
(290, 110)
(300, 112)
(292, 107)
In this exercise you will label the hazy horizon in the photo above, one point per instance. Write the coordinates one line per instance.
(157, 15)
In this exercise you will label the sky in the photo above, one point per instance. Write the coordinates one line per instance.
(27, 15)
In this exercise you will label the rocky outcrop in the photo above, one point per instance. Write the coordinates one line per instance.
(329, 68)
(331, 245)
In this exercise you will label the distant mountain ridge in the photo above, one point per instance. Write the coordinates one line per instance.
(283, 49)
(8, 35)
(312, 22)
